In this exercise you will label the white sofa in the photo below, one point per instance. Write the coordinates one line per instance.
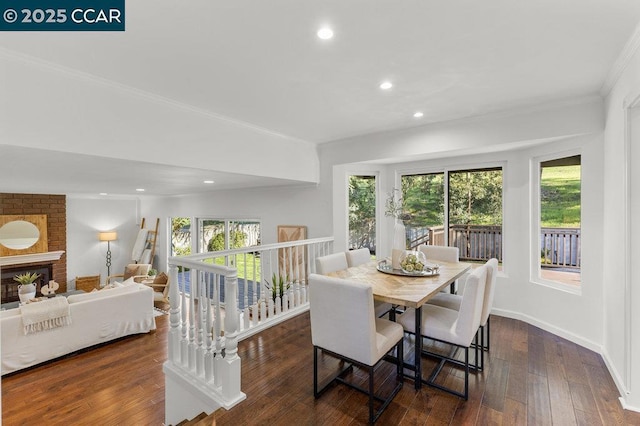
(96, 317)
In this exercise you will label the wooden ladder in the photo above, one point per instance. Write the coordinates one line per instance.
(152, 237)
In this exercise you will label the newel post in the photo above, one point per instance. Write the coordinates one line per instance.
(230, 364)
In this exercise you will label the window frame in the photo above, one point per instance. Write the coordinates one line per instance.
(535, 225)
(459, 167)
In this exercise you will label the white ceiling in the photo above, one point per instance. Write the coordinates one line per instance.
(260, 62)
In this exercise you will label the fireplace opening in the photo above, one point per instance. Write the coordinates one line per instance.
(9, 287)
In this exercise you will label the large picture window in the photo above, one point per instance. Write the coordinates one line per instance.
(460, 208)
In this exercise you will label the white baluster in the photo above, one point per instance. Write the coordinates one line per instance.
(174, 316)
(296, 297)
(218, 330)
(184, 341)
(208, 362)
(201, 324)
(231, 364)
(263, 310)
(192, 322)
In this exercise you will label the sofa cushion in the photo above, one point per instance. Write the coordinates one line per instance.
(104, 293)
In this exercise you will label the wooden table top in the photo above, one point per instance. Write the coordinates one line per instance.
(403, 290)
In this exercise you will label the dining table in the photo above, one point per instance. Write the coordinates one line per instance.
(411, 290)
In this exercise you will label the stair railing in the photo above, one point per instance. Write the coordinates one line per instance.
(219, 298)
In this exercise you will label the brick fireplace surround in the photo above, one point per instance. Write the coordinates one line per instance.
(55, 207)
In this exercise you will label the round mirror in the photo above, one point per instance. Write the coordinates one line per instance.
(19, 234)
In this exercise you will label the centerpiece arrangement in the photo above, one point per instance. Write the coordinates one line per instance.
(394, 208)
(413, 262)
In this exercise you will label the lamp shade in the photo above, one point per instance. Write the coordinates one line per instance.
(107, 236)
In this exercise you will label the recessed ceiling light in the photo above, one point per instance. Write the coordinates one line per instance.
(325, 33)
(208, 181)
(103, 193)
(140, 189)
(386, 85)
(418, 114)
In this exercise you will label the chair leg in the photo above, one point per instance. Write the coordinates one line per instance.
(315, 372)
(372, 417)
(466, 373)
(481, 348)
(488, 332)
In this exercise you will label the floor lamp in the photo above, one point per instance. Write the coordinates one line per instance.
(108, 237)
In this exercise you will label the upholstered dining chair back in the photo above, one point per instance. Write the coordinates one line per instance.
(442, 253)
(358, 256)
(331, 263)
(471, 305)
(489, 290)
(342, 318)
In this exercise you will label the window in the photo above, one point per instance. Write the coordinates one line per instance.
(180, 236)
(362, 212)
(423, 199)
(559, 220)
(471, 211)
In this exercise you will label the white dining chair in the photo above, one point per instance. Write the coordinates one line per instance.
(343, 325)
(443, 254)
(361, 256)
(453, 301)
(456, 328)
(331, 263)
(358, 256)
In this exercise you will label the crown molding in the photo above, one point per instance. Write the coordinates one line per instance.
(621, 63)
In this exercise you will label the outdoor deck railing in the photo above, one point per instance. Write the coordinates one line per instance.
(560, 247)
(219, 298)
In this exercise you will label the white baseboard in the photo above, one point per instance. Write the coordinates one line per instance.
(578, 340)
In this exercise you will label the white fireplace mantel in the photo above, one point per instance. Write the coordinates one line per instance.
(20, 259)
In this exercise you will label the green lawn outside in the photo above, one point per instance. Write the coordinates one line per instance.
(241, 263)
(560, 197)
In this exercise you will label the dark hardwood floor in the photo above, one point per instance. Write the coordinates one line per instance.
(531, 377)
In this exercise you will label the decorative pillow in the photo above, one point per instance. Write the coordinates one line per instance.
(132, 270)
(161, 278)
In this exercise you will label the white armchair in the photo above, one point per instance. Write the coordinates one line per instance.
(343, 325)
(456, 328)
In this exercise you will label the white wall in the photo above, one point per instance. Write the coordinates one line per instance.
(621, 223)
(308, 205)
(86, 255)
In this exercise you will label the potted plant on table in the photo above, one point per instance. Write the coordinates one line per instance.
(27, 288)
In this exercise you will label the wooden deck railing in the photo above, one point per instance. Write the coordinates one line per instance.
(219, 298)
(560, 247)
